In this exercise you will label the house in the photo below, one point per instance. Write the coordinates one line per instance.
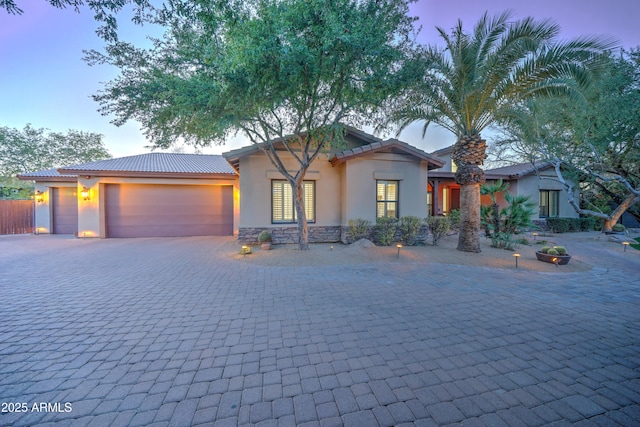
(241, 193)
(538, 182)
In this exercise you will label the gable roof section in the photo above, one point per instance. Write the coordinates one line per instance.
(390, 145)
(234, 156)
(519, 170)
(48, 175)
(156, 165)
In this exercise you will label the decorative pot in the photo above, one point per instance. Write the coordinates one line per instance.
(553, 259)
(265, 246)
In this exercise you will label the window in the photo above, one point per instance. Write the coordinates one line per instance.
(387, 199)
(549, 203)
(283, 209)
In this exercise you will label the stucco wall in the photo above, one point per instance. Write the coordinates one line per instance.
(362, 173)
(532, 184)
(256, 174)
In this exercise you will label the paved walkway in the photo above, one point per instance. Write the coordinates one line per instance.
(166, 332)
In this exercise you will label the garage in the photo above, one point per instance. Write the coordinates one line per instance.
(147, 210)
(64, 210)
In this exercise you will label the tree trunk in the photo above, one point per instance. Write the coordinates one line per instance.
(469, 237)
(468, 154)
(303, 228)
(617, 213)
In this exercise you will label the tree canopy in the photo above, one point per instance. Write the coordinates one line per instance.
(105, 11)
(597, 141)
(31, 149)
(283, 72)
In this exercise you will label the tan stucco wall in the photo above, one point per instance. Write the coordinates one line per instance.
(360, 178)
(44, 210)
(256, 174)
(345, 191)
(532, 184)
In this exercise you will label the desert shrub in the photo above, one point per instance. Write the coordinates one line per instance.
(409, 227)
(588, 223)
(561, 250)
(358, 229)
(618, 228)
(385, 230)
(523, 241)
(454, 219)
(438, 226)
(545, 249)
(552, 252)
(503, 240)
(264, 236)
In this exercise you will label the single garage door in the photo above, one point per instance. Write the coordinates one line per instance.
(64, 206)
(139, 210)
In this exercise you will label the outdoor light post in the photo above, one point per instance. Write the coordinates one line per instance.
(625, 244)
(535, 237)
(399, 246)
(516, 256)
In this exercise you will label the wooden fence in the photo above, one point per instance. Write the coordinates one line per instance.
(16, 216)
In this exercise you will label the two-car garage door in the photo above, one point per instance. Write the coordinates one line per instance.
(141, 210)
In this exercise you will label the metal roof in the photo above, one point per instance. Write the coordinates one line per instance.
(156, 163)
(47, 175)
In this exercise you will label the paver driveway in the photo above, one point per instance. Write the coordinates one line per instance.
(168, 332)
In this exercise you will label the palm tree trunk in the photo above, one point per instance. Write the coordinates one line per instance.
(469, 154)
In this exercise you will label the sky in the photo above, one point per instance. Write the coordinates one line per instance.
(45, 82)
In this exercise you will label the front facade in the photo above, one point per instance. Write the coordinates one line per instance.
(370, 178)
(538, 182)
(241, 193)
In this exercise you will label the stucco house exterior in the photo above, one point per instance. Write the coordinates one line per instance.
(241, 193)
(538, 182)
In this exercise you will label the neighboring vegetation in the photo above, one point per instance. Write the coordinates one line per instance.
(358, 229)
(439, 226)
(31, 150)
(385, 230)
(409, 227)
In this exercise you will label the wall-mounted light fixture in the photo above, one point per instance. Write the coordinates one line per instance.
(86, 195)
(39, 196)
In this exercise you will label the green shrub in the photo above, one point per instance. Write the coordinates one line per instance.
(409, 229)
(618, 228)
(523, 241)
(264, 236)
(545, 249)
(552, 252)
(358, 229)
(454, 219)
(438, 226)
(567, 225)
(386, 230)
(503, 240)
(560, 249)
(588, 223)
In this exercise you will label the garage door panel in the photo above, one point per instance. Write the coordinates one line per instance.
(134, 210)
(64, 205)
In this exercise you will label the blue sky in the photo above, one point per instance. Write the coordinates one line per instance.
(45, 82)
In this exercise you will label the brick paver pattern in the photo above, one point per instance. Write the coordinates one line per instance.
(168, 332)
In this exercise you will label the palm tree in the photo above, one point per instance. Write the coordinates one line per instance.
(468, 84)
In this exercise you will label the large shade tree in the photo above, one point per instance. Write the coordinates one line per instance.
(476, 75)
(31, 149)
(594, 143)
(286, 73)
